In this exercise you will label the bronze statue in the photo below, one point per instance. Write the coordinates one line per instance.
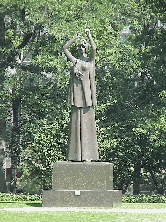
(82, 97)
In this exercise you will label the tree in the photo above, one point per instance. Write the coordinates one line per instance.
(130, 84)
(137, 101)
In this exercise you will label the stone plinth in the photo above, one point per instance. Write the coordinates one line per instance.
(82, 184)
(82, 176)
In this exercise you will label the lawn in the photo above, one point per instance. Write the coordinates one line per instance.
(16, 204)
(16, 216)
(78, 217)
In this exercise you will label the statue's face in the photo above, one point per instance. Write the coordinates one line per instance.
(83, 47)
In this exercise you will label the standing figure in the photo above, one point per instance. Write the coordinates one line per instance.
(82, 97)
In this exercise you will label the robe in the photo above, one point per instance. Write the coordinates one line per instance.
(82, 97)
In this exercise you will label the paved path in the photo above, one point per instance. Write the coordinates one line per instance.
(115, 210)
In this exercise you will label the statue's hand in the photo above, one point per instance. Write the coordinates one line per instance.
(78, 35)
(87, 31)
(79, 75)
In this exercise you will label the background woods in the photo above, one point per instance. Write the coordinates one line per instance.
(130, 77)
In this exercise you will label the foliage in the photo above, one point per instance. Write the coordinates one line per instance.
(143, 199)
(133, 108)
(19, 197)
(130, 77)
(125, 198)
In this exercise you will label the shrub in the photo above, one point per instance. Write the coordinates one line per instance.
(125, 198)
(19, 197)
(142, 198)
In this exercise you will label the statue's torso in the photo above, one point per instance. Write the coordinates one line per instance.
(80, 93)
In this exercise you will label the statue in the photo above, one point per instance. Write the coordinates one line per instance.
(79, 183)
(82, 97)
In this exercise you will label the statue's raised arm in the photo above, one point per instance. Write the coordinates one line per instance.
(67, 45)
(93, 52)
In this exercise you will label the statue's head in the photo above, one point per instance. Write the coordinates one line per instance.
(83, 47)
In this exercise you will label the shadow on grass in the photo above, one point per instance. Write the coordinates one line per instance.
(34, 204)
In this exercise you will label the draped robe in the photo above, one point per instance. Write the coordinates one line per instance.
(82, 97)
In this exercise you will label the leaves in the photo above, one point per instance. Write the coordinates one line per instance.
(130, 77)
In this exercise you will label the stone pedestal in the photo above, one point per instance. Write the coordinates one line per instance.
(82, 184)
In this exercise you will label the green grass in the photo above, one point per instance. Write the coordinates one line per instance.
(16, 216)
(79, 217)
(143, 205)
(17, 204)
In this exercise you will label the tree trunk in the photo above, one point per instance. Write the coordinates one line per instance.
(2, 180)
(137, 178)
(2, 120)
(155, 182)
(2, 40)
(15, 140)
(149, 168)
